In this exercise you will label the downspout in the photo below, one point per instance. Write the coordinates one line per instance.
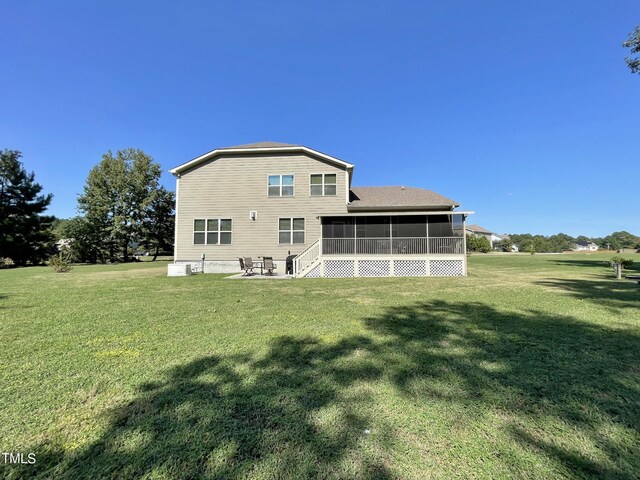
(346, 186)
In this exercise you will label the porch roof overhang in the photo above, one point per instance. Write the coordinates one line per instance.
(386, 213)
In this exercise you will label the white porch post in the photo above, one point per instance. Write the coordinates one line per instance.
(355, 235)
(390, 235)
(464, 243)
(427, 224)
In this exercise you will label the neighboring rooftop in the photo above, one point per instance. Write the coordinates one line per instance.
(478, 229)
(394, 197)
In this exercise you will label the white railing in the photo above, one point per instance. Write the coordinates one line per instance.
(444, 245)
(306, 258)
(393, 246)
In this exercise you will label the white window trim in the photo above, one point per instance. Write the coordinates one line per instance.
(291, 230)
(205, 231)
(323, 184)
(280, 192)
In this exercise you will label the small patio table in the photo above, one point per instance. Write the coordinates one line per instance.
(259, 263)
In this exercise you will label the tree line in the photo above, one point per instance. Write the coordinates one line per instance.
(122, 208)
(560, 242)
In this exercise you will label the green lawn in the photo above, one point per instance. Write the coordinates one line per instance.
(528, 368)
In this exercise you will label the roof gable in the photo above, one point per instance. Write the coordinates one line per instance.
(257, 148)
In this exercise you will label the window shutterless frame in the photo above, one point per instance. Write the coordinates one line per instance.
(291, 230)
(322, 184)
(280, 185)
(212, 231)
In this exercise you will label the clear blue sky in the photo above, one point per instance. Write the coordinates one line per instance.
(522, 111)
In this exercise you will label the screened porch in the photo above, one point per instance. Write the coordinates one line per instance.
(393, 235)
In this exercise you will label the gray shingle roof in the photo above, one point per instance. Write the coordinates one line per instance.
(584, 243)
(397, 197)
(260, 145)
(478, 229)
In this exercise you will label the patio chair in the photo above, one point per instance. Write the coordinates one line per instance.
(248, 266)
(268, 264)
(248, 269)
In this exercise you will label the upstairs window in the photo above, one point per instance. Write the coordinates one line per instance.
(212, 231)
(322, 184)
(290, 230)
(280, 185)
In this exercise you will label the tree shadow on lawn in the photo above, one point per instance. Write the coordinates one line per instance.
(283, 415)
(300, 410)
(599, 264)
(591, 263)
(533, 365)
(612, 293)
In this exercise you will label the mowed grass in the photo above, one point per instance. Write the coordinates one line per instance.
(528, 368)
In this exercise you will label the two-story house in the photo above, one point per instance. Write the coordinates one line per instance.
(276, 199)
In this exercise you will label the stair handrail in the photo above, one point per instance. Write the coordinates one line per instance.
(305, 258)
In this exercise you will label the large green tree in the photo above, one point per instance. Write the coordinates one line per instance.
(84, 243)
(25, 234)
(621, 239)
(119, 194)
(633, 43)
(158, 224)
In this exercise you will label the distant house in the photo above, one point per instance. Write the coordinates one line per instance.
(514, 247)
(585, 246)
(283, 201)
(478, 231)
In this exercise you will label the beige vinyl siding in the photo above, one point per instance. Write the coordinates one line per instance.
(232, 186)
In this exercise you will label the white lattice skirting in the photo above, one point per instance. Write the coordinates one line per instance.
(374, 268)
(446, 268)
(410, 268)
(314, 272)
(342, 268)
(339, 268)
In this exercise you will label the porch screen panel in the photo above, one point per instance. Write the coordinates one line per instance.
(337, 227)
(373, 227)
(410, 226)
(440, 226)
(457, 226)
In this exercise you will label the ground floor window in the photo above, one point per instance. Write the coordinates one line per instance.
(212, 231)
(291, 230)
